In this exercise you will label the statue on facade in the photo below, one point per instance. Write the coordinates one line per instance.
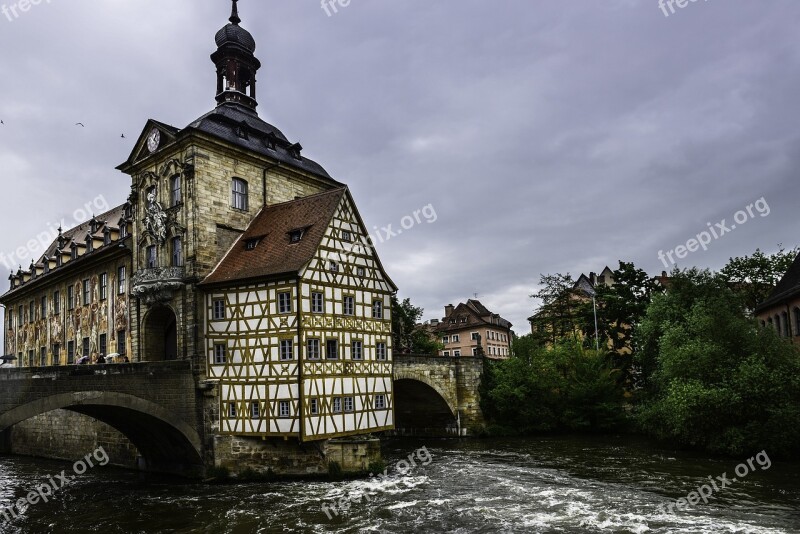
(156, 219)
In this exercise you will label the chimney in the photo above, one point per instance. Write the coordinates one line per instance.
(448, 310)
(434, 322)
(593, 278)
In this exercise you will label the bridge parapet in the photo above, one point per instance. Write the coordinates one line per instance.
(68, 371)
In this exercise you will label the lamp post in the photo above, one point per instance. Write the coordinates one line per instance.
(593, 294)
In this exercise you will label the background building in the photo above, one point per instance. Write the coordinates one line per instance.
(468, 328)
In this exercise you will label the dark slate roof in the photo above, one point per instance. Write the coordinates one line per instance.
(236, 35)
(275, 254)
(76, 236)
(788, 287)
(240, 125)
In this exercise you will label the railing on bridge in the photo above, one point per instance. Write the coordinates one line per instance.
(64, 371)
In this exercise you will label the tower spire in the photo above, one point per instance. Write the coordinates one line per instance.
(236, 63)
(235, 13)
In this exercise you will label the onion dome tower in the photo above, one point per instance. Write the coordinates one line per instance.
(236, 63)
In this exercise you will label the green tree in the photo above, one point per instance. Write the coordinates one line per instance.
(621, 309)
(408, 336)
(566, 388)
(561, 313)
(713, 379)
(754, 277)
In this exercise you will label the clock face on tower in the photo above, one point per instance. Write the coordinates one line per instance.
(153, 140)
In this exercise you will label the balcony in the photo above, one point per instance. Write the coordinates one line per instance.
(157, 285)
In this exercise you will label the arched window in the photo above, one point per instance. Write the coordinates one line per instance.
(778, 324)
(239, 198)
(787, 332)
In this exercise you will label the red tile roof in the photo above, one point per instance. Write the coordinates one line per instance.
(274, 253)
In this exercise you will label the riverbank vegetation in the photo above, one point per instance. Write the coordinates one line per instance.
(681, 360)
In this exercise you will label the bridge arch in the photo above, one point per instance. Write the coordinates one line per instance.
(167, 443)
(423, 407)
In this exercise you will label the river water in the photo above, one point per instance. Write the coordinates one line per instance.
(564, 484)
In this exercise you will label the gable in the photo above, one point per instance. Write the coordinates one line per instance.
(346, 244)
(165, 136)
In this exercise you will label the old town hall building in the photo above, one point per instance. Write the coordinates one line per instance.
(233, 251)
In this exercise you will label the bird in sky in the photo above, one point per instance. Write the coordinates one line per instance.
(123, 136)
(80, 124)
(1, 122)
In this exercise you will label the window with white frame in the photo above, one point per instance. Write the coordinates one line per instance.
(317, 302)
(314, 405)
(349, 404)
(220, 353)
(313, 352)
(337, 405)
(380, 351)
(285, 409)
(457, 353)
(456, 338)
(474, 336)
(446, 353)
(219, 309)
(239, 195)
(380, 402)
(349, 306)
(377, 309)
(287, 349)
(232, 410)
(255, 410)
(285, 302)
(357, 350)
(445, 339)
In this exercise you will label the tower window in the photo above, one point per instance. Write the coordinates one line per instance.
(175, 189)
(295, 236)
(177, 252)
(152, 257)
(239, 197)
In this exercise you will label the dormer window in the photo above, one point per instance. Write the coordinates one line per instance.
(241, 131)
(347, 237)
(251, 244)
(295, 236)
(271, 141)
(107, 237)
(295, 150)
(89, 243)
(123, 228)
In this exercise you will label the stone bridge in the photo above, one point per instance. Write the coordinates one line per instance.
(155, 405)
(437, 395)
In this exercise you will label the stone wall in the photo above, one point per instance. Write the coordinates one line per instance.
(64, 435)
(290, 458)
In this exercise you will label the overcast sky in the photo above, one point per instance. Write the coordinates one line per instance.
(549, 136)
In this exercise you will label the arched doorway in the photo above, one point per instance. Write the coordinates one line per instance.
(161, 335)
(421, 411)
